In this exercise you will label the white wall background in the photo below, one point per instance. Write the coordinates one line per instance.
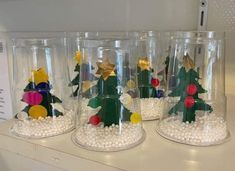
(90, 15)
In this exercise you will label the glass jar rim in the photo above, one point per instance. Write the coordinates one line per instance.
(28, 42)
(144, 34)
(97, 35)
(207, 35)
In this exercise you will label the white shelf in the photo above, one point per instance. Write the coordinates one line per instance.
(155, 153)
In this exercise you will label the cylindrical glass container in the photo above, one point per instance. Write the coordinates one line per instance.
(109, 116)
(150, 72)
(41, 89)
(196, 103)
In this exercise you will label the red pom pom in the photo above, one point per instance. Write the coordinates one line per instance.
(95, 120)
(189, 102)
(191, 89)
(155, 82)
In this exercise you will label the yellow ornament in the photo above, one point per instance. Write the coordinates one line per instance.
(144, 64)
(86, 85)
(39, 76)
(37, 111)
(130, 84)
(135, 118)
(188, 62)
(77, 57)
(105, 69)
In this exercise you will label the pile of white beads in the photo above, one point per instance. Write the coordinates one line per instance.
(44, 127)
(151, 108)
(206, 130)
(110, 138)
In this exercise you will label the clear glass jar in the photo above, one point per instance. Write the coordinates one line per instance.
(74, 53)
(41, 102)
(151, 75)
(196, 104)
(109, 115)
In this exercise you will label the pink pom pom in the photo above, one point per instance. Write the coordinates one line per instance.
(32, 98)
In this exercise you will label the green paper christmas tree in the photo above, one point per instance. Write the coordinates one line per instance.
(38, 97)
(166, 66)
(112, 110)
(87, 86)
(75, 81)
(146, 83)
(188, 90)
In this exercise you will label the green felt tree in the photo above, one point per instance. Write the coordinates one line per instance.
(38, 97)
(146, 83)
(75, 81)
(112, 110)
(188, 90)
(166, 66)
(87, 87)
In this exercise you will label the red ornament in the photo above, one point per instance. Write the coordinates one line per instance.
(191, 89)
(95, 120)
(155, 82)
(189, 102)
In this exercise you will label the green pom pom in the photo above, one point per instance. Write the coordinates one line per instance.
(94, 102)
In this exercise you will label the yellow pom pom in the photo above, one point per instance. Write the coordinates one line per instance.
(77, 57)
(37, 111)
(39, 76)
(130, 84)
(135, 118)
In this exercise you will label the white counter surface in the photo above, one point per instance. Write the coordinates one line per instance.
(155, 153)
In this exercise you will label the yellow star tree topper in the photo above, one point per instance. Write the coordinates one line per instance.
(77, 57)
(188, 62)
(39, 76)
(144, 64)
(105, 69)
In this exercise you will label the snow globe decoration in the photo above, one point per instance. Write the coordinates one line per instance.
(40, 87)
(109, 115)
(151, 75)
(196, 103)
